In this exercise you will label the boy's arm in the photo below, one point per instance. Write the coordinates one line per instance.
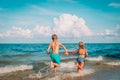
(64, 48)
(48, 49)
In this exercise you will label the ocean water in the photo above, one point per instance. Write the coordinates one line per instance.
(32, 61)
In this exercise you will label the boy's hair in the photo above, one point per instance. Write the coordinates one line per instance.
(81, 45)
(54, 36)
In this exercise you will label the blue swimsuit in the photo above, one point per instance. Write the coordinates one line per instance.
(81, 59)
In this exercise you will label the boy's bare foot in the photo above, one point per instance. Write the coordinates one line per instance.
(55, 71)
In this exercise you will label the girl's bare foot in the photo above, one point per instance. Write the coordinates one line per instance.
(76, 65)
(79, 71)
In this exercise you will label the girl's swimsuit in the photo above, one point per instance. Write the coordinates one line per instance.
(55, 57)
(81, 58)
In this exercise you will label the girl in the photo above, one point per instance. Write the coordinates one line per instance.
(82, 54)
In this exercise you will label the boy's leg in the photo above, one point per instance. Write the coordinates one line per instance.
(51, 64)
(55, 71)
(55, 64)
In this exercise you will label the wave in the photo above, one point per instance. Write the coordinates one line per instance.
(72, 75)
(117, 63)
(99, 58)
(113, 55)
(67, 68)
(8, 69)
(19, 55)
(28, 51)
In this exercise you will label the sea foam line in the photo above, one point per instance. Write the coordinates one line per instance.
(8, 69)
(117, 63)
(99, 58)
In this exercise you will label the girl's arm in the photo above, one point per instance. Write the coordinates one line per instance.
(86, 53)
(74, 52)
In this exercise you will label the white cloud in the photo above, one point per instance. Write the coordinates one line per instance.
(71, 25)
(17, 32)
(42, 30)
(66, 25)
(114, 32)
(116, 5)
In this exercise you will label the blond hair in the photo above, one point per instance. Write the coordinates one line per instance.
(81, 45)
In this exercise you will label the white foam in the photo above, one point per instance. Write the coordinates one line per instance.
(37, 75)
(82, 73)
(99, 58)
(113, 63)
(8, 69)
(55, 78)
(73, 74)
(67, 65)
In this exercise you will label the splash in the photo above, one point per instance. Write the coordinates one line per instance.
(72, 75)
(8, 69)
(41, 73)
(99, 58)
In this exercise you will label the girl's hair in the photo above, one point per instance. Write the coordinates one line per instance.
(54, 36)
(81, 45)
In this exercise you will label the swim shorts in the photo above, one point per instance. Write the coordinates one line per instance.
(80, 59)
(55, 58)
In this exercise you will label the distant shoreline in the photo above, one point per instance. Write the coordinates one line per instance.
(63, 43)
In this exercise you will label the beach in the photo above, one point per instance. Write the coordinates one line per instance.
(30, 62)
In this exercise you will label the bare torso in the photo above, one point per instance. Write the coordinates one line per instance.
(55, 46)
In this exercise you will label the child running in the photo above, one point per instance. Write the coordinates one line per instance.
(82, 54)
(55, 57)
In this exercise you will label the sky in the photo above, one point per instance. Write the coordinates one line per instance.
(34, 21)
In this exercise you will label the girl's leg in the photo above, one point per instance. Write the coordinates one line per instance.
(81, 65)
(79, 69)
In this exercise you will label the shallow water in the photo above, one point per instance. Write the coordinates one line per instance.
(30, 62)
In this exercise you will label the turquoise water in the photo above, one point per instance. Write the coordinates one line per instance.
(26, 53)
(33, 56)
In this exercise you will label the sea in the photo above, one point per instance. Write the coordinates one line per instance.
(30, 61)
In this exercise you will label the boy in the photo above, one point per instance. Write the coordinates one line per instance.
(55, 57)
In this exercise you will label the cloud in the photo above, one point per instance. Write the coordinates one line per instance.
(111, 33)
(66, 25)
(115, 5)
(42, 30)
(71, 25)
(17, 32)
